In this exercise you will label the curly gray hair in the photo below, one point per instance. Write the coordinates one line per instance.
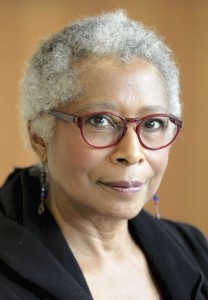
(51, 74)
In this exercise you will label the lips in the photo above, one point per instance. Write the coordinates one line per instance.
(123, 186)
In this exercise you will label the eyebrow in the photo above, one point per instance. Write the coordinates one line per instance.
(153, 109)
(98, 107)
(106, 106)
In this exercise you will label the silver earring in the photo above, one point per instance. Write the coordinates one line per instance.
(43, 191)
(156, 202)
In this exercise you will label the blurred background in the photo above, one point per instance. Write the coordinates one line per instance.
(184, 24)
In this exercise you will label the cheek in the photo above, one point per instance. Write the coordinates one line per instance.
(82, 159)
(72, 156)
(158, 161)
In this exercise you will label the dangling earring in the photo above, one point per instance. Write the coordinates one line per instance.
(156, 201)
(43, 192)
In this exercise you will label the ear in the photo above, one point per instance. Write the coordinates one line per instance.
(38, 145)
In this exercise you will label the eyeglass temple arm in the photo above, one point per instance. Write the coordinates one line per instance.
(62, 116)
(177, 121)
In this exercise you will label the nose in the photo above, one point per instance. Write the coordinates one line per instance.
(129, 150)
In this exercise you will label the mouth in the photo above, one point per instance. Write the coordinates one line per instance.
(123, 186)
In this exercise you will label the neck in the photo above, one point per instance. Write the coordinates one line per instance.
(95, 236)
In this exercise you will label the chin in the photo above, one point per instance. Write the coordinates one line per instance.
(121, 213)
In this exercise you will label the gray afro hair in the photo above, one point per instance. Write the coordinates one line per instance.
(50, 77)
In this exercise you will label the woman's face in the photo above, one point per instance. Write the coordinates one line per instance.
(113, 182)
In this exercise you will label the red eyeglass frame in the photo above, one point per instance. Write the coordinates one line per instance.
(79, 121)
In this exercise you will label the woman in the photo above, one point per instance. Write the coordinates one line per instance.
(101, 106)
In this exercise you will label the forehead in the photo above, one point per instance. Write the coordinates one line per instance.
(117, 86)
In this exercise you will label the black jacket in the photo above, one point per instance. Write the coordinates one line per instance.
(36, 262)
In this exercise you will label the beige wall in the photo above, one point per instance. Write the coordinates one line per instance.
(184, 193)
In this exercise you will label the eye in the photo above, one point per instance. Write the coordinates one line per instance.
(155, 124)
(100, 121)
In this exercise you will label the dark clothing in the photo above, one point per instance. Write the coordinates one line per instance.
(36, 262)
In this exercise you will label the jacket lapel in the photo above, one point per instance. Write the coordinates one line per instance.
(176, 274)
(28, 258)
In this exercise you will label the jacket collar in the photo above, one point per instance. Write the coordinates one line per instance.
(176, 273)
(28, 258)
(30, 242)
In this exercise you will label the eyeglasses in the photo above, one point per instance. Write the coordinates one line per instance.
(106, 129)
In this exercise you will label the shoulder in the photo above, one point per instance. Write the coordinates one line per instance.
(20, 186)
(191, 242)
(173, 239)
(185, 234)
(17, 173)
(18, 178)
